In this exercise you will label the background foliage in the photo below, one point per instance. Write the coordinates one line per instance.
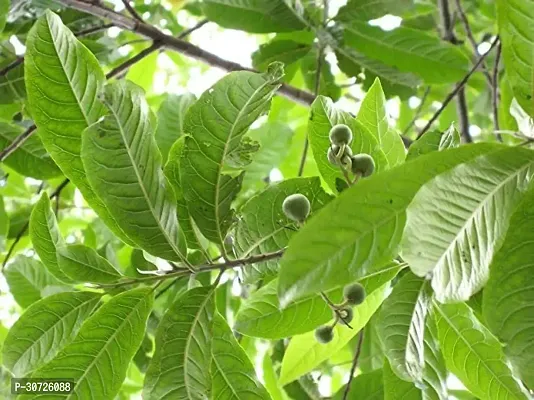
(147, 148)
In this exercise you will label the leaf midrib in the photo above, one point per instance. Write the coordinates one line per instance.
(141, 183)
(453, 327)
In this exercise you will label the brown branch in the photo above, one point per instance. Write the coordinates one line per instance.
(456, 89)
(417, 112)
(131, 10)
(178, 45)
(135, 59)
(447, 23)
(93, 30)
(495, 93)
(463, 117)
(354, 365)
(471, 39)
(22, 231)
(12, 65)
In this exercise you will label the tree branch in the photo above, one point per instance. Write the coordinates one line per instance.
(456, 89)
(354, 365)
(495, 93)
(93, 30)
(463, 117)
(179, 45)
(202, 268)
(418, 111)
(131, 10)
(12, 65)
(19, 141)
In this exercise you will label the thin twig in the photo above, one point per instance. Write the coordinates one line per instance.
(19, 141)
(162, 291)
(135, 59)
(203, 268)
(179, 45)
(417, 112)
(335, 309)
(131, 10)
(472, 40)
(495, 93)
(447, 23)
(93, 30)
(463, 116)
(14, 64)
(354, 365)
(456, 89)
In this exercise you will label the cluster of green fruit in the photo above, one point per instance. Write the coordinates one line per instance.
(353, 295)
(340, 153)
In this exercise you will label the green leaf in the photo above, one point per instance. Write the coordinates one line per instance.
(373, 116)
(366, 10)
(435, 371)
(285, 51)
(4, 8)
(29, 281)
(98, 358)
(254, 16)
(473, 354)
(323, 116)
(18, 222)
(216, 124)
(232, 373)
(327, 84)
(263, 226)
(30, 159)
(83, 264)
(397, 389)
(261, 315)
(509, 294)
(394, 81)
(434, 141)
(275, 141)
(361, 228)
(180, 365)
(12, 87)
(123, 165)
(372, 353)
(408, 50)
(171, 116)
(515, 20)
(4, 225)
(368, 386)
(45, 236)
(45, 328)
(304, 353)
(63, 80)
(401, 325)
(452, 230)
(193, 237)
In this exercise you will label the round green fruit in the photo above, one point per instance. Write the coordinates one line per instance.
(363, 165)
(354, 294)
(324, 334)
(346, 314)
(296, 207)
(340, 134)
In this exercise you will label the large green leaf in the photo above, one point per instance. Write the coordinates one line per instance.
(4, 225)
(508, 302)
(397, 389)
(372, 354)
(97, 359)
(172, 171)
(261, 315)
(408, 50)
(30, 159)
(275, 141)
(373, 116)
(263, 226)
(29, 281)
(362, 227)
(171, 116)
(45, 236)
(285, 51)
(44, 329)
(401, 325)
(232, 373)
(123, 165)
(18, 221)
(370, 9)
(255, 16)
(368, 386)
(63, 80)
(216, 124)
(4, 8)
(83, 264)
(473, 354)
(435, 371)
(434, 141)
(323, 116)
(457, 220)
(180, 366)
(304, 353)
(516, 21)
